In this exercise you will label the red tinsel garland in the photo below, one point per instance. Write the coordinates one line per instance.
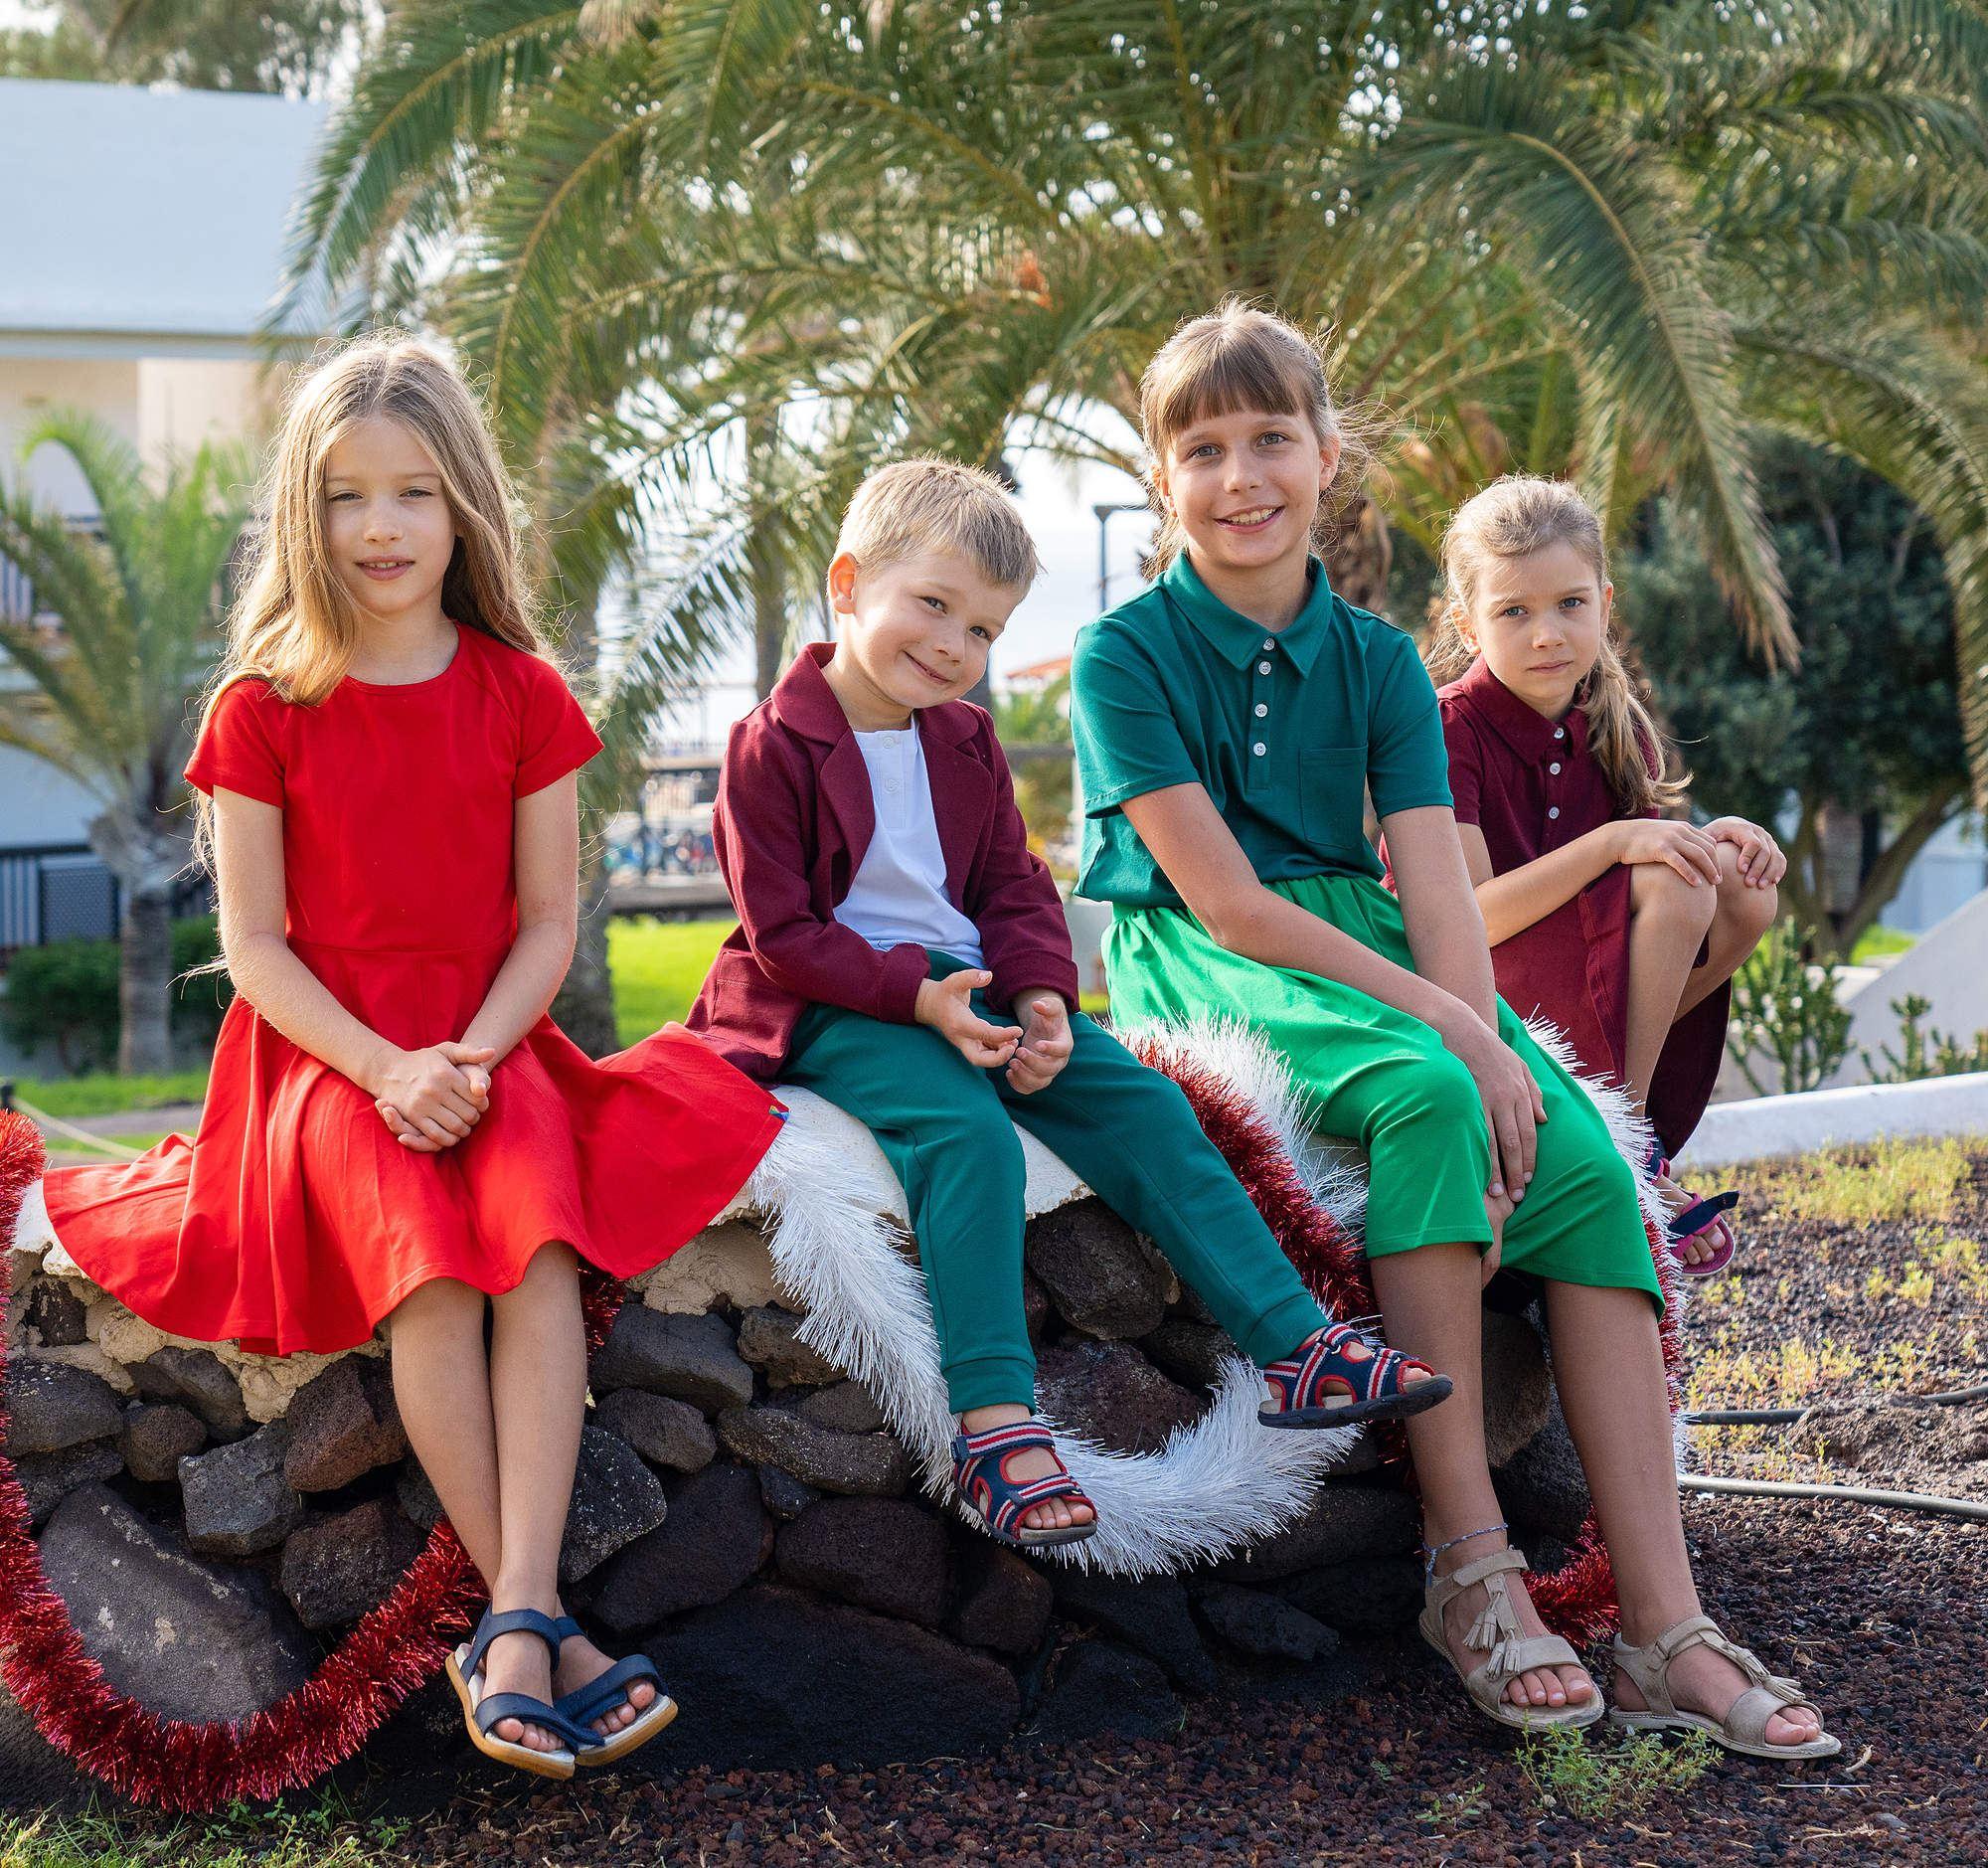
(397, 1648)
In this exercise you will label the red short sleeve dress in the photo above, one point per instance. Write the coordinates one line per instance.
(293, 1220)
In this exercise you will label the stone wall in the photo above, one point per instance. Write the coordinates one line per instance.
(216, 1521)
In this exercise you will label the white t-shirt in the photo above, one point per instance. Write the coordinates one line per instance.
(899, 892)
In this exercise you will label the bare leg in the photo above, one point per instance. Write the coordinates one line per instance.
(1742, 916)
(1608, 1368)
(1430, 1303)
(1667, 922)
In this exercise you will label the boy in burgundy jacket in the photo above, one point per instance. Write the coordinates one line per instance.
(902, 954)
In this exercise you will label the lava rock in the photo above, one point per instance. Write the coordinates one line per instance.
(1191, 1353)
(1371, 1595)
(1035, 1306)
(335, 1571)
(691, 1358)
(187, 1640)
(665, 1432)
(1110, 1393)
(237, 1501)
(1150, 1614)
(847, 1408)
(56, 1315)
(769, 1339)
(48, 1479)
(782, 1494)
(156, 1436)
(1263, 1627)
(785, 1681)
(1542, 1487)
(710, 1543)
(1004, 1601)
(858, 1465)
(1101, 1687)
(418, 1497)
(343, 1423)
(1344, 1522)
(878, 1553)
(1100, 1276)
(54, 1407)
(1518, 1388)
(615, 1499)
(202, 1381)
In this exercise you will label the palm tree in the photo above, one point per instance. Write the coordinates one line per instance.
(140, 607)
(1614, 245)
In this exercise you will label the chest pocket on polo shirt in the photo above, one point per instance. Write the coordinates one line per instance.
(1332, 796)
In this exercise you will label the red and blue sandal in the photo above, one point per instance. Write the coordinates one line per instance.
(987, 1493)
(1343, 1376)
(1703, 1219)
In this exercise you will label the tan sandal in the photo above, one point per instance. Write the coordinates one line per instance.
(1508, 1650)
(1744, 1727)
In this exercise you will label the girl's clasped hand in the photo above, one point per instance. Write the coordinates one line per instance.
(433, 1098)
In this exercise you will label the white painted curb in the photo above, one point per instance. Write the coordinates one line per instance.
(1767, 1126)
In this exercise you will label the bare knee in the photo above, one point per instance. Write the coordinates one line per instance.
(552, 1271)
(1742, 914)
(1658, 892)
(440, 1302)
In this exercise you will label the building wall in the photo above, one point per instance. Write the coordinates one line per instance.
(30, 387)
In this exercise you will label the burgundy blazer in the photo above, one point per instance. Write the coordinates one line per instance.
(792, 820)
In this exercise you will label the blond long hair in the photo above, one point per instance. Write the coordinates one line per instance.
(1514, 517)
(294, 625)
(1236, 357)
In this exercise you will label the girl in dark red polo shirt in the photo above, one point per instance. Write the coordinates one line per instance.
(1621, 926)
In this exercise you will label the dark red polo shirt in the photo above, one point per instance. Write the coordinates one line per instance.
(792, 820)
(1531, 785)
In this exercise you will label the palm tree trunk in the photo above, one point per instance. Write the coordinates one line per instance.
(1360, 556)
(144, 984)
(585, 1007)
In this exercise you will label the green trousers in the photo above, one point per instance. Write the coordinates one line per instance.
(947, 1127)
(1385, 1079)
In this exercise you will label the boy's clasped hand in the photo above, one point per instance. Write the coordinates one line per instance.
(1034, 1052)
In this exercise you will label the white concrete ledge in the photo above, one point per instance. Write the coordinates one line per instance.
(1768, 1126)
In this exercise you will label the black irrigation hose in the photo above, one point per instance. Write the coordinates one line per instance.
(1856, 1494)
(1902, 1501)
(1775, 1416)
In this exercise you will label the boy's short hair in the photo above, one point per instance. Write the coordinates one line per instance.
(927, 504)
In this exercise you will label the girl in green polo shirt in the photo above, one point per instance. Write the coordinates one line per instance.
(1230, 721)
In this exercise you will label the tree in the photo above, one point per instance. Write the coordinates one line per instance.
(1863, 741)
(140, 607)
(286, 46)
(1614, 242)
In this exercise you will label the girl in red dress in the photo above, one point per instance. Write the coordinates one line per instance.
(395, 1130)
(1621, 926)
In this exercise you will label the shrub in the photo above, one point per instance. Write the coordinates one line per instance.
(1786, 1005)
(65, 995)
(1925, 1050)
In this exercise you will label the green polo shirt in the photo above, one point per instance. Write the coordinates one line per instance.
(1285, 729)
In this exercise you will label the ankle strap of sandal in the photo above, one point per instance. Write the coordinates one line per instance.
(1016, 1438)
(498, 1622)
(1431, 1552)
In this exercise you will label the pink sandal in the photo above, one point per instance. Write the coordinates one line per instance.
(1703, 1219)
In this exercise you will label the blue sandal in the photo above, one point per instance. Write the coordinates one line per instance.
(1321, 1385)
(987, 1493)
(481, 1712)
(602, 1695)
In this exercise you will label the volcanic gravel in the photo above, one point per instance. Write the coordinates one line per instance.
(1880, 1612)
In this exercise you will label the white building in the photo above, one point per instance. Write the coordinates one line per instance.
(141, 240)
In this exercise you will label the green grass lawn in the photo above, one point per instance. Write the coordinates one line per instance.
(1874, 944)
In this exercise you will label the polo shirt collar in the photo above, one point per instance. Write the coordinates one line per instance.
(1236, 638)
(1526, 731)
(805, 703)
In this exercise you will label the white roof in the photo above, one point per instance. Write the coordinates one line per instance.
(129, 215)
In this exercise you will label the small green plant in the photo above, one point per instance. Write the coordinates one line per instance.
(1785, 1005)
(1925, 1050)
(1614, 1783)
(1453, 1809)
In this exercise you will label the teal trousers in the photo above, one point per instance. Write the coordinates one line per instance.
(947, 1127)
